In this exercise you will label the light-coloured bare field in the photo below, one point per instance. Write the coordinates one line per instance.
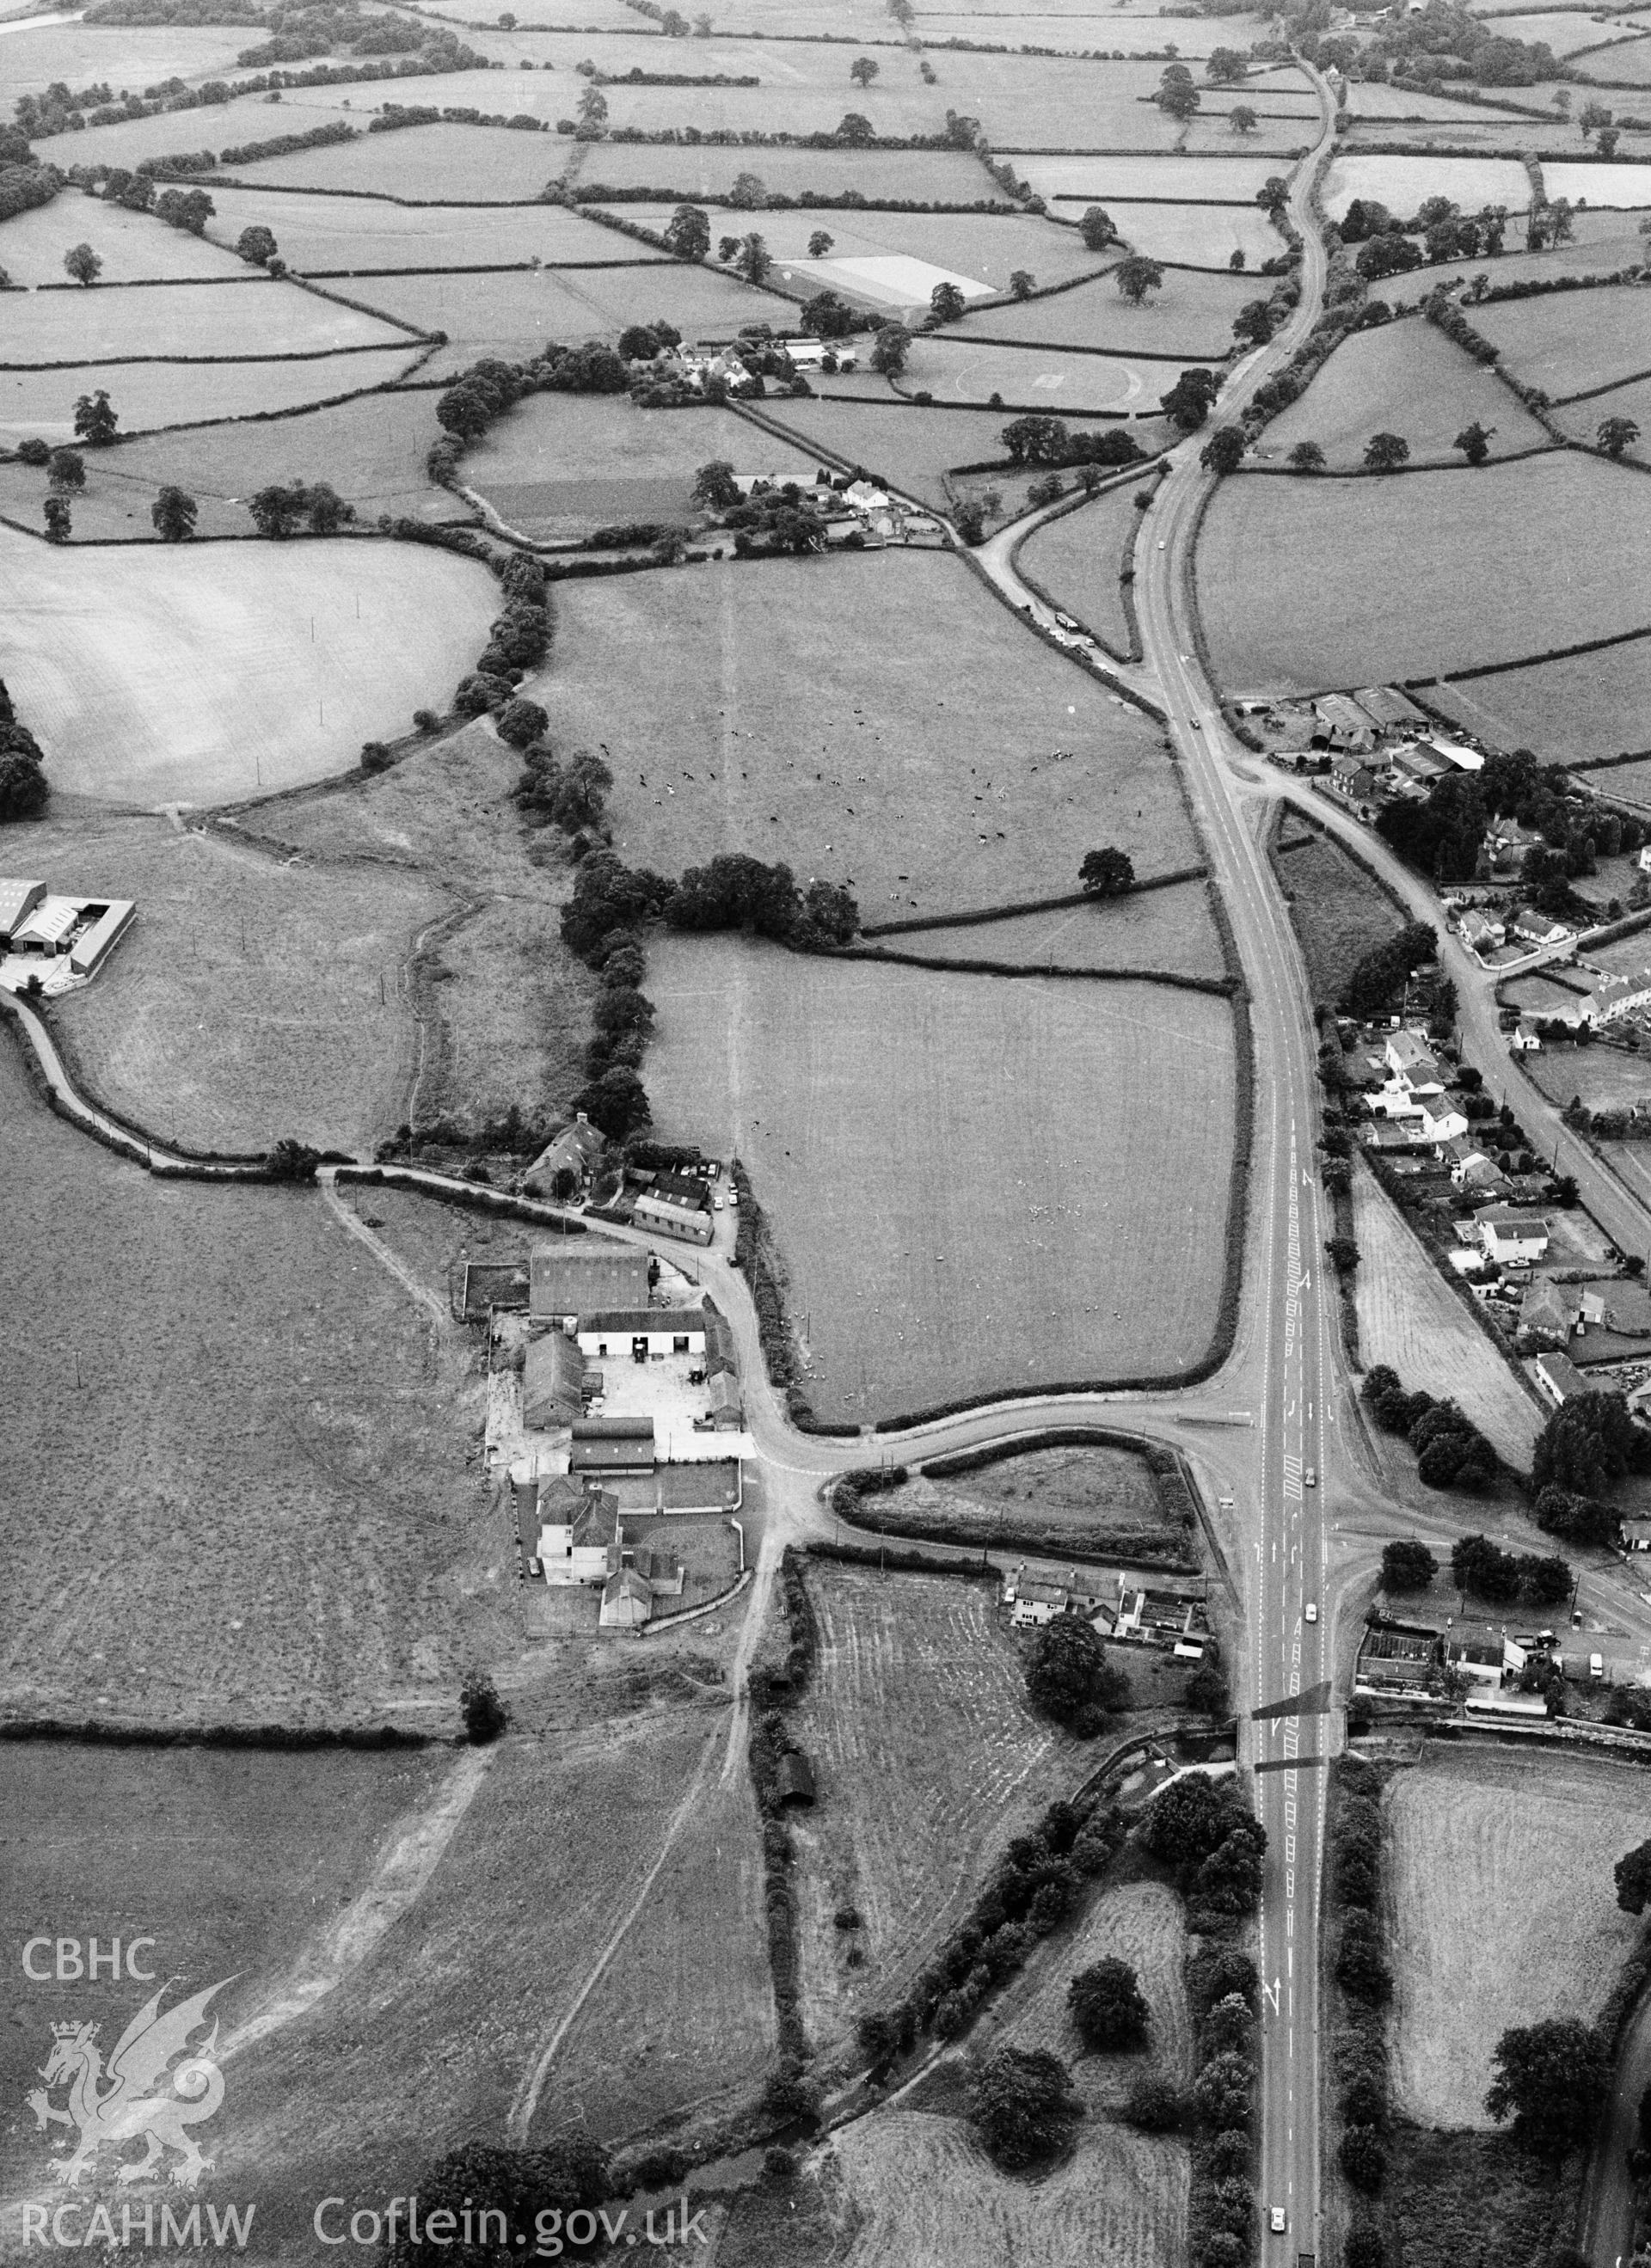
(927, 1759)
(1402, 183)
(244, 315)
(1019, 1265)
(1503, 1912)
(133, 246)
(1624, 187)
(928, 2197)
(353, 232)
(147, 395)
(1409, 1317)
(201, 674)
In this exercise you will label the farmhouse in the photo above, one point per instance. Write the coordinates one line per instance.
(1509, 1236)
(575, 1149)
(582, 1275)
(1032, 1605)
(1558, 1377)
(1351, 779)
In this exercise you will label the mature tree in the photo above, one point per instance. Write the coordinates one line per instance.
(325, 509)
(256, 245)
(755, 259)
(688, 232)
(567, 2175)
(1022, 2106)
(1362, 2158)
(94, 421)
(970, 520)
(485, 1715)
(66, 470)
(190, 210)
(1543, 1581)
(855, 130)
(1036, 440)
(1305, 457)
(291, 1160)
(59, 523)
(1633, 1879)
(1106, 873)
(749, 193)
(1274, 194)
(23, 786)
(1361, 1966)
(520, 721)
(1222, 2091)
(1224, 65)
(820, 243)
(1609, 138)
(889, 349)
(1224, 452)
(863, 70)
(726, 247)
(1385, 453)
(1138, 275)
(466, 411)
(1243, 120)
(1589, 1444)
(616, 1104)
(1230, 1878)
(277, 509)
(715, 486)
(1252, 325)
(1388, 255)
(1190, 400)
(1068, 1676)
(592, 112)
(173, 513)
(1481, 1568)
(1178, 99)
(1616, 434)
(1552, 2080)
(1474, 441)
(1107, 2006)
(1156, 2105)
(1407, 1564)
(82, 263)
(1191, 1818)
(1095, 226)
(1591, 116)
(946, 303)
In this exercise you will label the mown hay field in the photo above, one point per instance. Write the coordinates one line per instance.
(1593, 705)
(881, 718)
(1141, 1923)
(356, 233)
(927, 1760)
(1204, 236)
(1605, 243)
(147, 395)
(1573, 342)
(954, 366)
(1071, 183)
(945, 177)
(1170, 930)
(1191, 316)
(1339, 912)
(926, 2197)
(1373, 580)
(249, 1375)
(1401, 182)
(986, 247)
(133, 246)
(1370, 100)
(1503, 1912)
(1408, 378)
(246, 315)
(1625, 188)
(251, 999)
(514, 315)
(1410, 1319)
(1078, 560)
(838, 1085)
(202, 674)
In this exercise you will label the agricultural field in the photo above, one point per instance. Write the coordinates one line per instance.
(1202, 236)
(1574, 342)
(123, 55)
(1405, 378)
(1409, 1318)
(251, 999)
(1565, 30)
(1482, 1937)
(1339, 911)
(329, 1597)
(248, 315)
(1401, 183)
(1367, 99)
(1190, 318)
(924, 2197)
(913, 444)
(1377, 580)
(1170, 930)
(149, 396)
(928, 1761)
(1631, 61)
(1080, 28)
(1606, 1077)
(1604, 246)
(1622, 189)
(434, 165)
(1593, 705)
(920, 766)
(709, 170)
(318, 233)
(563, 464)
(1092, 1498)
(984, 248)
(837, 1084)
(1079, 558)
(190, 673)
(956, 367)
(134, 248)
(1072, 183)
(514, 315)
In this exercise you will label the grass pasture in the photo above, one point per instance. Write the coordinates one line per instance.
(954, 366)
(924, 2197)
(1503, 1912)
(1080, 28)
(1593, 705)
(249, 315)
(76, 53)
(1405, 378)
(1573, 340)
(1078, 560)
(202, 674)
(1565, 30)
(1605, 243)
(1094, 1500)
(1374, 579)
(246, 1002)
(1170, 930)
(914, 444)
(149, 394)
(1191, 317)
(1339, 912)
(134, 248)
(1144, 1924)
(920, 767)
(352, 233)
(1204, 236)
(837, 1084)
(945, 177)
(427, 164)
(1368, 99)
(1630, 60)
(928, 1761)
(324, 1596)
(986, 247)
(1402, 183)
(1072, 183)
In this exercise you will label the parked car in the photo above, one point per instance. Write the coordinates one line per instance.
(1597, 1665)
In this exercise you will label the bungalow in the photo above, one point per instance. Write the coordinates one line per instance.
(1511, 1236)
(1469, 1168)
(1409, 1057)
(1559, 1379)
(1406, 1134)
(1481, 932)
(1530, 927)
(1634, 1534)
(1524, 1040)
(1549, 1311)
(667, 1216)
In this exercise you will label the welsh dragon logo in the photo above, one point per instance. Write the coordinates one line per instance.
(134, 2097)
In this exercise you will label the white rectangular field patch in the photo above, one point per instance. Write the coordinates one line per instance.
(902, 281)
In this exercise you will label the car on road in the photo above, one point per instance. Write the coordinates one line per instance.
(1310, 1610)
(1161, 541)
(1225, 1503)
(1310, 1478)
(1275, 2220)
(1066, 622)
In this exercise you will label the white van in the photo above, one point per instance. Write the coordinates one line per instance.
(1597, 1665)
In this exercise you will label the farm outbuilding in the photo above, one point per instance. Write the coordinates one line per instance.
(794, 1781)
(553, 1382)
(641, 1332)
(18, 901)
(613, 1445)
(106, 926)
(579, 1276)
(664, 1217)
(627, 1600)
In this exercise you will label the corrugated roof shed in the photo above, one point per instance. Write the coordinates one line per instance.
(18, 900)
(632, 1322)
(578, 1274)
(552, 1382)
(794, 1782)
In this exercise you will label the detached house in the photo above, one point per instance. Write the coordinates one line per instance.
(1536, 928)
(1615, 996)
(1481, 932)
(1510, 1238)
(1442, 1125)
(1549, 1311)
(1470, 1169)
